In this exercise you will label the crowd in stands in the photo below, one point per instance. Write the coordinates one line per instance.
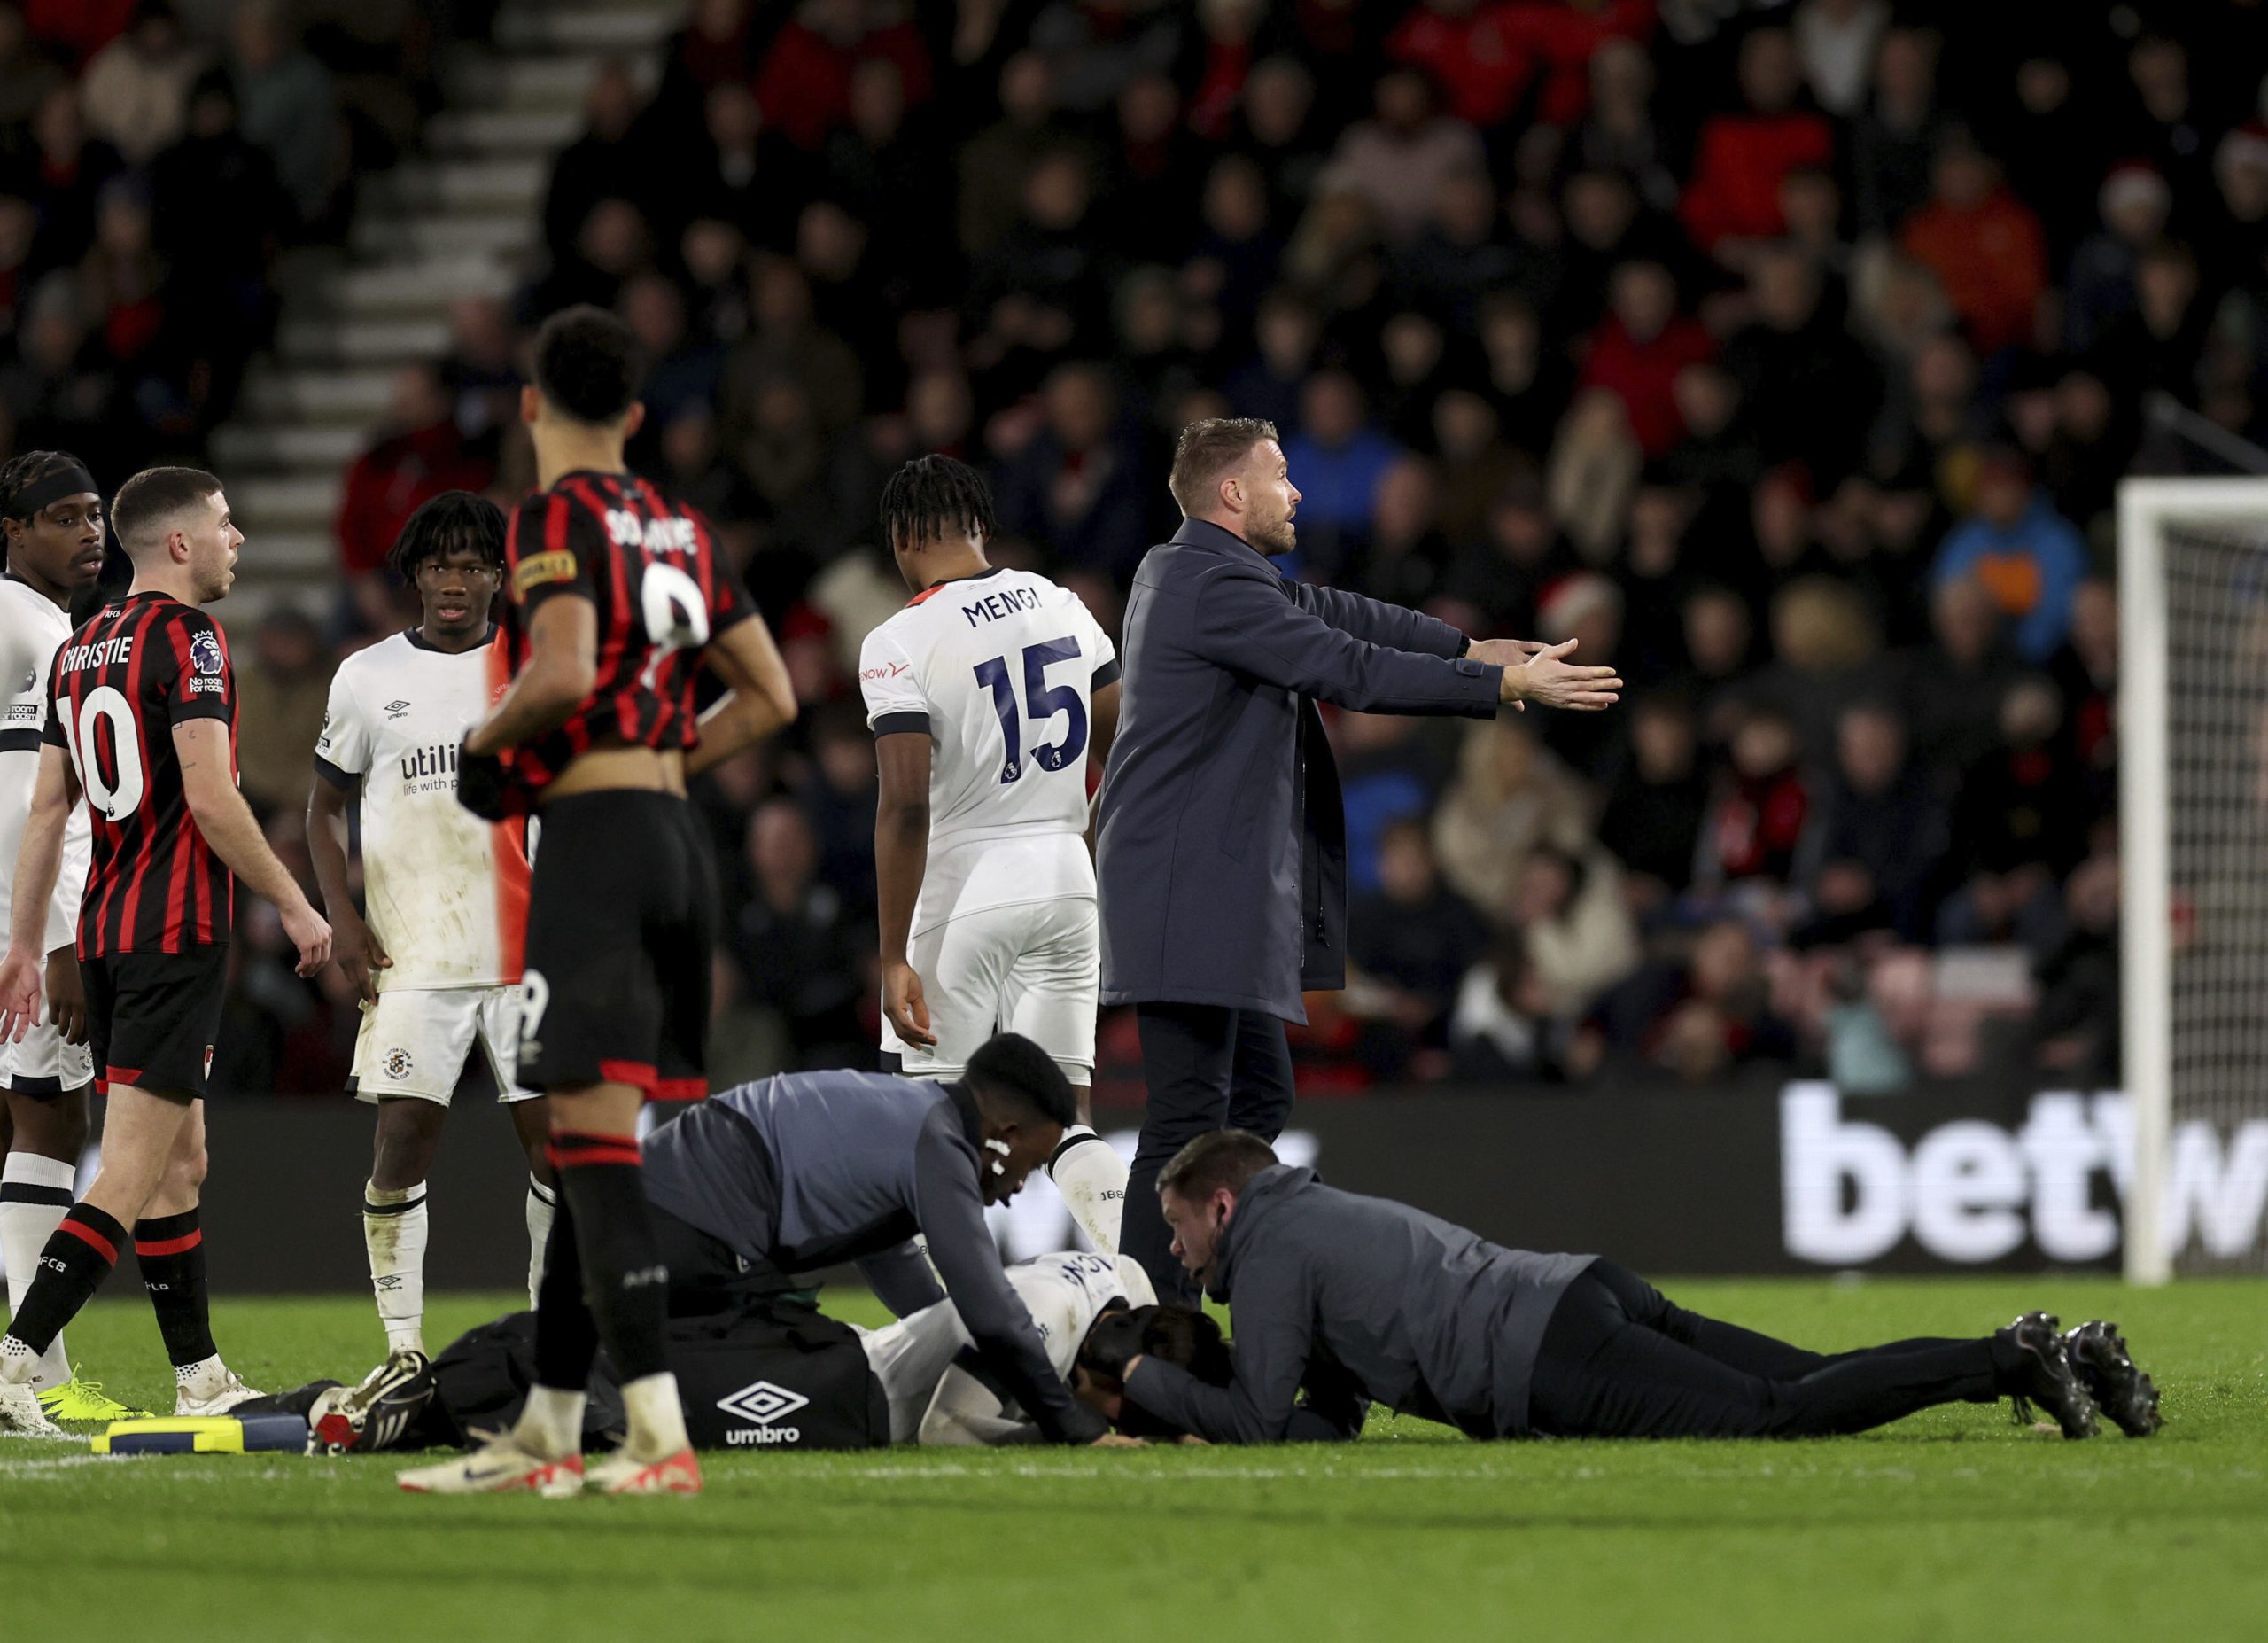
(1785, 355)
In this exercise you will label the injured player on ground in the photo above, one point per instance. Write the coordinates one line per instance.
(1089, 1310)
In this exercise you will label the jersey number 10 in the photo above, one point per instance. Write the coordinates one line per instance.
(1045, 702)
(105, 704)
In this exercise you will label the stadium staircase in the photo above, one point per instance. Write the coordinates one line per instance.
(457, 219)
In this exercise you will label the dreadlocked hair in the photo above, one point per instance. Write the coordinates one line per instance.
(21, 472)
(935, 496)
(451, 521)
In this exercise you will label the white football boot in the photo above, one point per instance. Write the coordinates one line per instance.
(210, 1388)
(498, 1467)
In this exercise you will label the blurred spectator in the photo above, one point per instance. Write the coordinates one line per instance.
(1412, 938)
(281, 694)
(1984, 245)
(1757, 816)
(63, 175)
(1592, 471)
(1503, 574)
(2085, 671)
(1502, 1026)
(1078, 488)
(1734, 193)
(2021, 821)
(1863, 1056)
(1267, 387)
(837, 798)
(1509, 796)
(1581, 939)
(2020, 551)
(1388, 772)
(682, 371)
(1337, 459)
(1617, 134)
(1640, 348)
(804, 84)
(2075, 1030)
(1652, 817)
(1811, 390)
(1894, 138)
(1873, 850)
(286, 98)
(1701, 1019)
(605, 162)
(738, 172)
(420, 454)
(2135, 203)
(1955, 683)
(136, 89)
(1237, 251)
(1836, 40)
(800, 952)
(1401, 160)
(28, 75)
(995, 162)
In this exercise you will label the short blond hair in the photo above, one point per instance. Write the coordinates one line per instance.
(1208, 448)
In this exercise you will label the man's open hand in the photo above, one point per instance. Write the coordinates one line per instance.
(1549, 680)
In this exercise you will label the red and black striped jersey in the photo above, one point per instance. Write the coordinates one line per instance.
(115, 691)
(661, 591)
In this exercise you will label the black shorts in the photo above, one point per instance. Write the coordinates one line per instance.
(152, 1018)
(622, 919)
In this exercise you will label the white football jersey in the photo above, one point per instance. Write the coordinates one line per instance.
(32, 629)
(446, 892)
(1000, 670)
(1066, 1293)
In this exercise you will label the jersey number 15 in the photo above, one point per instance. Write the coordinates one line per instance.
(1046, 701)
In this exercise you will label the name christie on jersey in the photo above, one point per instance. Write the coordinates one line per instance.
(77, 658)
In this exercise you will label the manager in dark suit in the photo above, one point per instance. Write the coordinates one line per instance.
(1222, 856)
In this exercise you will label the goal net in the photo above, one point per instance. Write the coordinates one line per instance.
(2193, 593)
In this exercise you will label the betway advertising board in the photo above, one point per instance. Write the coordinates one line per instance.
(1786, 1179)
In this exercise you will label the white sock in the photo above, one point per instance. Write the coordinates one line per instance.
(205, 1369)
(394, 1231)
(551, 1425)
(543, 1208)
(1091, 1176)
(656, 1417)
(25, 1225)
(17, 1362)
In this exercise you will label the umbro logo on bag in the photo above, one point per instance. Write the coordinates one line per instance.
(764, 1404)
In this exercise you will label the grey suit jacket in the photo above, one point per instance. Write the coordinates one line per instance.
(1222, 859)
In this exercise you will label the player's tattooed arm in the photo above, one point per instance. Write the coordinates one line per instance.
(39, 862)
(901, 860)
(209, 782)
(561, 670)
(760, 699)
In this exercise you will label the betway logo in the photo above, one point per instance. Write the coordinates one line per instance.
(1971, 1190)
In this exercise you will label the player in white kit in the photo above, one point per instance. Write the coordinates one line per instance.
(54, 533)
(988, 694)
(437, 959)
(935, 1399)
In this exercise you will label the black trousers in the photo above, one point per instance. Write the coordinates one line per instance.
(1207, 1067)
(1617, 1359)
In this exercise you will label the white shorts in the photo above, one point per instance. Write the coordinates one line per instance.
(1035, 968)
(415, 1042)
(46, 1063)
(909, 1358)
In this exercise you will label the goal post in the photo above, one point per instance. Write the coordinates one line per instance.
(2192, 807)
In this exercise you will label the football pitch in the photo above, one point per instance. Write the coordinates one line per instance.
(1953, 1524)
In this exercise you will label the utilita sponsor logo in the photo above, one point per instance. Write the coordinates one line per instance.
(1972, 1190)
(764, 1403)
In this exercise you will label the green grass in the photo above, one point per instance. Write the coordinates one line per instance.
(1953, 1524)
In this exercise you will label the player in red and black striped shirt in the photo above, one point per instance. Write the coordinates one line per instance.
(142, 719)
(617, 597)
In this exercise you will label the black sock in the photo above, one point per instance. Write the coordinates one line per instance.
(171, 1249)
(602, 1191)
(566, 1337)
(79, 1256)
